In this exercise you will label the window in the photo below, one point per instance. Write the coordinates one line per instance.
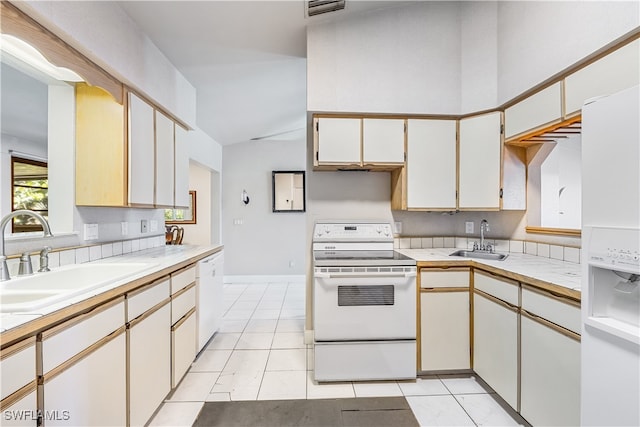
(30, 191)
(182, 216)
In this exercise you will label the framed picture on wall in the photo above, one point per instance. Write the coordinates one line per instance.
(182, 216)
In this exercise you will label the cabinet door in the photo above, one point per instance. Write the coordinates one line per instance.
(338, 140)
(480, 161)
(101, 157)
(444, 330)
(164, 160)
(383, 141)
(18, 367)
(431, 164)
(550, 377)
(141, 152)
(495, 346)
(183, 346)
(22, 412)
(92, 391)
(540, 109)
(617, 71)
(181, 167)
(149, 364)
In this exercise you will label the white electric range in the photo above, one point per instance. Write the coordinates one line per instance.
(364, 299)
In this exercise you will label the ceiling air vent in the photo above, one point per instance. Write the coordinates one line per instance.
(317, 7)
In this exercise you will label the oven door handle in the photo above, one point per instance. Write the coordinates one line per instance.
(365, 276)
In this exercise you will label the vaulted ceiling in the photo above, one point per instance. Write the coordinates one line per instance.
(246, 59)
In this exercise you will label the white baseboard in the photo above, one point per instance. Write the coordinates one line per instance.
(300, 278)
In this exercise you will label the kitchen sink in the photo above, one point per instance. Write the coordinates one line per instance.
(29, 293)
(480, 255)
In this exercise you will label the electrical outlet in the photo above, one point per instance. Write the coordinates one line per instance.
(398, 227)
(468, 227)
(153, 225)
(144, 225)
(124, 226)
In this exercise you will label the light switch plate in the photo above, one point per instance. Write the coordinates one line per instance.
(125, 228)
(90, 231)
(468, 227)
(144, 225)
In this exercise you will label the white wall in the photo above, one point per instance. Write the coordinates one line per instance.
(266, 242)
(200, 233)
(479, 56)
(537, 39)
(403, 59)
(104, 33)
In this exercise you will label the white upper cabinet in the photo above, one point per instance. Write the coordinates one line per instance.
(431, 164)
(617, 71)
(141, 149)
(164, 160)
(538, 110)
(480, 157)
(338, 140)
(383, 141)
(181, 167)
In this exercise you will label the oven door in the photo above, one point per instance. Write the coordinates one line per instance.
(365, 306)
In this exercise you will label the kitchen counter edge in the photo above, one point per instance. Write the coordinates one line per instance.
(32, 327)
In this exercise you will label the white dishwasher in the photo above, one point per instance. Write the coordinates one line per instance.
(209, 283)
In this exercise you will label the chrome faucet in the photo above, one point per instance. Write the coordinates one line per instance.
(25, 259)
(484, 226)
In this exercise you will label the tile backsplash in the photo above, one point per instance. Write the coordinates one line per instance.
(563, 253)
(82, 254)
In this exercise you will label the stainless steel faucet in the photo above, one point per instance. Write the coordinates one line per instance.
(26, 267)
(484, 226)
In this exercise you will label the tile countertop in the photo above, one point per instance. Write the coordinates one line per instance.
(548, 273)
(161, 259)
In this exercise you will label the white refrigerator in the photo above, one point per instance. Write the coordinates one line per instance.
(610, 361)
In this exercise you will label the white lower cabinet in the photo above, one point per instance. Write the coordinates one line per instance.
(550, 374)
(183, 346)
(90, 392)
(184, 325)
(149, 362)
(84, 364)
(22, 411)
(444, 330)
(495, 345)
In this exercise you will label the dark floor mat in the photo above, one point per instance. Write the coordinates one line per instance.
(369, 412)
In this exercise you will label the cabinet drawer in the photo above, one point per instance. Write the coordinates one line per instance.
(18, 367)
(501, 288)
(444, 278)
(564, 313)
(140, 301)
(182, 279)
(182, 303)
(183, 347)
(70, 338)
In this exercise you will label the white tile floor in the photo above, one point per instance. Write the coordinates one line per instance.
(259, 354)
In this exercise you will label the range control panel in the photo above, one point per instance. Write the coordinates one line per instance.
(355, 232)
